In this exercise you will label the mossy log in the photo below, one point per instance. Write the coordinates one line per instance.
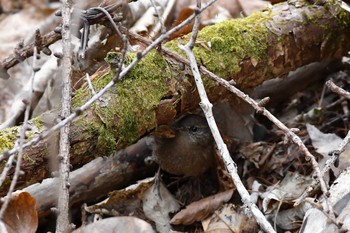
(249, 50)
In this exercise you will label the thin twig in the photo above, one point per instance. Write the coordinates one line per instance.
(62, 224)
(27, 104)
(28, 50)
(86, 105)
(7, 168)
(18, 164)
(222, 148)
(21, 142)
(91, 87)
(47, 40)
(335, 154)
(340, 91)
(288, 133)
(86, 27)
(228, 85)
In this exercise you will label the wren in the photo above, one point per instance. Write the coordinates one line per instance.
(188, 150)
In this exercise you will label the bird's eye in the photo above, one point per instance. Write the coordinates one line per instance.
(193, 129)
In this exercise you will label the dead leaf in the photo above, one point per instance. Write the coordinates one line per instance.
(234, 119)
(291, 219)
(324, 143)
(199, 210)
(11, 32)
(123, 202)
(157, 204)
(147, 21)
(252, 6)
(290, 188)
(21, 215)
(116, 225)
(221, 10)
(315, 220)
(230, 219)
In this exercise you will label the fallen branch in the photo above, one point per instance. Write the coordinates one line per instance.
(97, 178)
(154, 92)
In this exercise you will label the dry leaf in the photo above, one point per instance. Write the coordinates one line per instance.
(200, 210)
(123, 202)
(316, 221)
(219, 11)
(230, 219)
(21, 215)
(11, 32)
(116, 225)
(291, 219)
(252, 6)
(290, 188)
(157, 204)
(324, 143)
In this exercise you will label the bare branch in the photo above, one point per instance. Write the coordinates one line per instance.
(340, 91)
(63, 225)
(222, 148)
(87, 104)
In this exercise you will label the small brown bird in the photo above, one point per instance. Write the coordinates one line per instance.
(186, 149)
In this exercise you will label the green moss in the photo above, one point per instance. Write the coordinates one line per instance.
(138, 96)
(305, 17)
(131, 103)
(100, 83)
(28, 159)
(79, 97)
(106, 140)
(220, 48)
(128, 109)
(112, 58)
(7, 182)
(7, 138)
(342, 16)
(223, 46)
(37, 121)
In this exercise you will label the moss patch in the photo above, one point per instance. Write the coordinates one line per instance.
(130, 112)
(128, 109)
(223, 46)
(341, 15)
(37, 121)
(7, 138)
(138, 95)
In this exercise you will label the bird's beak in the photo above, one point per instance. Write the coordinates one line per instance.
(164, 131)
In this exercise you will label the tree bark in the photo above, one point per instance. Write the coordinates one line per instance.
(97, 178)
(249, 51)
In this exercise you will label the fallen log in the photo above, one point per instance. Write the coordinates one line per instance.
(249, 51)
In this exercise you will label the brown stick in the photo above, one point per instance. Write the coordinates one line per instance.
(97, 178)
